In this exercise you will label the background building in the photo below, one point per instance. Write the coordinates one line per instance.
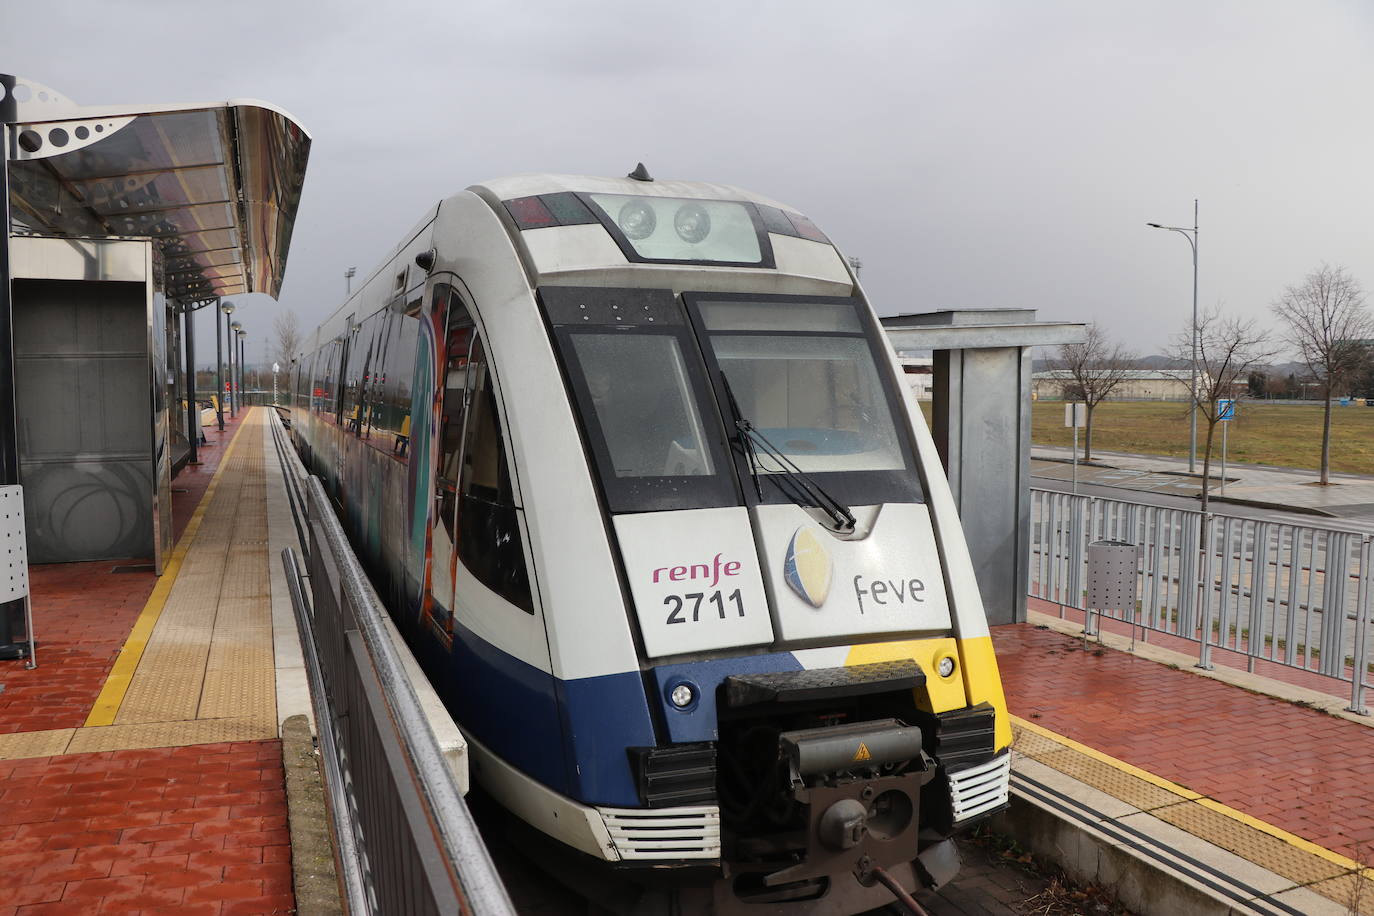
(1138, 385)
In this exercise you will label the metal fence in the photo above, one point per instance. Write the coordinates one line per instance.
(406, 841)
(1295, 595)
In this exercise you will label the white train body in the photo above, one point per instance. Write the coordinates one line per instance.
(552, 422)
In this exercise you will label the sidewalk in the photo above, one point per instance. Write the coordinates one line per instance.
(1274, 797)
(1348, 496)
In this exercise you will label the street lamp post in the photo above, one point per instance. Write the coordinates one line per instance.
(1191, 236)
(348, 280)
(227, 308)
(235, 367)
(242, 376)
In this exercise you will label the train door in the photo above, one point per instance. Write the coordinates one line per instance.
(453, 405)
(481, 563)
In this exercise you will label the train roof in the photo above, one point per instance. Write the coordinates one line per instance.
(534, 184)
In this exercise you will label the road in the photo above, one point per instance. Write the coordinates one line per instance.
(1171, 491)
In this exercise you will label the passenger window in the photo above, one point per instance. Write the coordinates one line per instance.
(396, 384)
(489, 539)
(326, 372)
(361, 353)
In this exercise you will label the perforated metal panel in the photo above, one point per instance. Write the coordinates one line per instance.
(14, 554)
(1112, 575)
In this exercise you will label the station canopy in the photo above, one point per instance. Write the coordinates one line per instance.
(215, 185)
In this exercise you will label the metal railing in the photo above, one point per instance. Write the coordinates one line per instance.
(406, 841)
(1294, 595)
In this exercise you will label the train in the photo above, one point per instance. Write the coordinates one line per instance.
(632, 465)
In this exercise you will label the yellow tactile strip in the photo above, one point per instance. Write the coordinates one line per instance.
(1250, 844)
(198, 667)
(1322, 871)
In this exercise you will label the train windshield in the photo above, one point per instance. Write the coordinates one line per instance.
(658, 418)
(804, 374)
(635, 373)
(816, 398)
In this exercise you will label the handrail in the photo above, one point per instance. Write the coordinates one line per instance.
(345, 836)
(457, 832)
(357, 677)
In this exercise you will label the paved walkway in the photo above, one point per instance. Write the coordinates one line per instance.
(1277, 784)
(140, 769)
(1348, 496)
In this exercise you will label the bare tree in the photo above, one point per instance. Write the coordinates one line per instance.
(1228, 349)
(1091, 371)
(1329, 326)
(288, 330)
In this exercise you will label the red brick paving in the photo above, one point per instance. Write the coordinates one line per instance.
(1304, 771)
(82, 613)
(184, 830)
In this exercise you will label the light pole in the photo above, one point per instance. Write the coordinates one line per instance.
(348, 280)
(235, 367)
(227, 308)
(1191, 236)
(242, 376)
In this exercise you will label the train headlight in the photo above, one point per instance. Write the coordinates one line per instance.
(945, 666)
(683, 696)
(692, 223)
(637, 219)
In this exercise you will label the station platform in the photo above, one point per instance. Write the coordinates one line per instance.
(140, 762)
(1220, 791)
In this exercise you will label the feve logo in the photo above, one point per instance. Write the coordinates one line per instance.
(806, 569)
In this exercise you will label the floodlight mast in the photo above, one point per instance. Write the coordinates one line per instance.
(1191, 236)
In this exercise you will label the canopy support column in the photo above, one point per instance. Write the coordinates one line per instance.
(188, 328)
(11, 612)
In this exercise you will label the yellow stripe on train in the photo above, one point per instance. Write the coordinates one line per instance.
(979, 681)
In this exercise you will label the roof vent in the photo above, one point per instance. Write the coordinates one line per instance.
(640, 173)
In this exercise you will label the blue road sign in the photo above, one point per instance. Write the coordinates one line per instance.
(1226, 409)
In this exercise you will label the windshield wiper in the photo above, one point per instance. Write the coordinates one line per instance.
(805, 491)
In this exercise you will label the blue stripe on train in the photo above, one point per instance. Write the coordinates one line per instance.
(698, 721)
(513, 708)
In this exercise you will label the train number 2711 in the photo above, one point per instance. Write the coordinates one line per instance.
(681, 605)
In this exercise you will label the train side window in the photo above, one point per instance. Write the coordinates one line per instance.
(326, 372)
(355, 378)
(376, 376)
(489, 540)
(397, 383)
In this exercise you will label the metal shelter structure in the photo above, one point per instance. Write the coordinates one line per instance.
(982, 428)
(120, 222)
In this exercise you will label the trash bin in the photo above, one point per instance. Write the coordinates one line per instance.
(1112, 579)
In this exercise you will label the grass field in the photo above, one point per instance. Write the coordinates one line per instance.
(1262, 433)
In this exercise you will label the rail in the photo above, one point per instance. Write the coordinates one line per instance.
(406, 840)
(1295, 595)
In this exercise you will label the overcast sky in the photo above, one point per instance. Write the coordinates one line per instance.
(972, 154)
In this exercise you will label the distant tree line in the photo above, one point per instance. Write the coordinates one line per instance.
(1324, 319)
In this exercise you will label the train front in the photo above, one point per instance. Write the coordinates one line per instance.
(812, 643)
